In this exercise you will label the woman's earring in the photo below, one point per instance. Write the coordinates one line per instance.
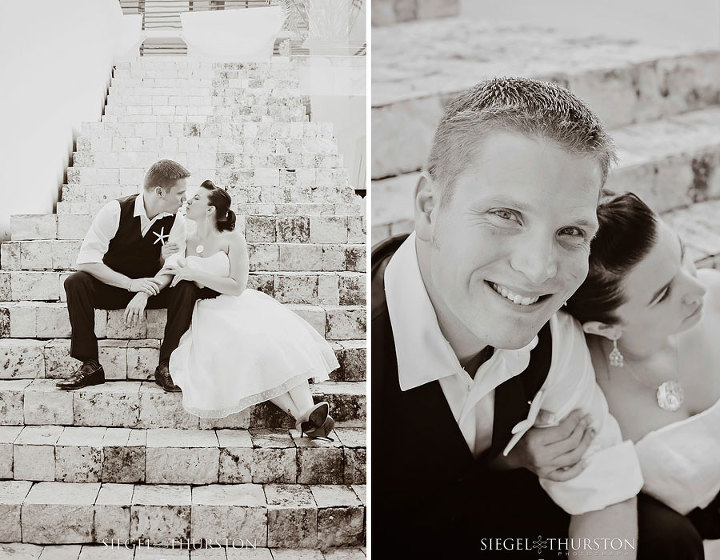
(615, 357)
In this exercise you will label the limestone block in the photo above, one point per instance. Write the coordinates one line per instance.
(346, 323)
(319, 461)
(182, 456)
(115, 404)
(64, 254)
(73, 226)
(113, 551)
(328, 289)
(245, 551)
(352, 289)
(21, 358)
(292, 516)
(8, 435)
(313, 314)
(45, 404)
(12, 495)
(355, 259)
(36, 255)
(237, 513)
(295, 229)
(264, 257)
(236, 456)
(341, 516)
(57, 513)
(33, 226)
(357, 231)
(344, 554)
(156, 319)
(58, 363)
(274, 457)
(296, 257)
(150, 552)
(116, 327)
(160, 513)
(355, 465)
(142, 358)
(34, 452)
(10, 255)
(159, 409)
(35, 286)
(297, 554)
(112, 512)
(353, 358)
(260, 229)
(238, 420)
(328, 229)
(5, 286)
(52, 321)
(296, 288)
(78, 454)
(61, 552)
(113, 357)
(11, 401)
(124, 452)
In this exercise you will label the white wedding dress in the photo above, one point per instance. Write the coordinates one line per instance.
(244, 350)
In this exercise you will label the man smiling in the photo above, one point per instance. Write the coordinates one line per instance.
(467, 346)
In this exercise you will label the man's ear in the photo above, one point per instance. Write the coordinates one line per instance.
(425, 204)
(159, 192)
(611, 332)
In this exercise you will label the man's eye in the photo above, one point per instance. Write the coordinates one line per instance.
(505, 214)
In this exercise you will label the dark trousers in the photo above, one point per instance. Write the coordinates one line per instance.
(85, 293)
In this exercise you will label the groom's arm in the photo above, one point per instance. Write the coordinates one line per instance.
(618, 521)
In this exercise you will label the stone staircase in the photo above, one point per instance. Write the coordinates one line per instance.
(123, 460)
(661, 105)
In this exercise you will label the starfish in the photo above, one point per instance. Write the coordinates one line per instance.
(161, 237)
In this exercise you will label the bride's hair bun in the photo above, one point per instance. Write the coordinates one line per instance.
(220, 199)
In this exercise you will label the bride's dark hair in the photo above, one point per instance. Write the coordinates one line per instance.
(628, 230)
(217, 197)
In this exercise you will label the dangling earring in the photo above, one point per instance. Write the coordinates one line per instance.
(615, 357)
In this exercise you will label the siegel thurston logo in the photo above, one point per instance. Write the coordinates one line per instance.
(553, 544)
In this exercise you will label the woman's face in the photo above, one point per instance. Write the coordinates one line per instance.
(197, 206)
(662, 292)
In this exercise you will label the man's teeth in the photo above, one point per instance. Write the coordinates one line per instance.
(516, 299)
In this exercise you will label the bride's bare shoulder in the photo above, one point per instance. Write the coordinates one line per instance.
(234, 238)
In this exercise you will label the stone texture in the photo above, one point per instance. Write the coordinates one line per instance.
(12, 495)
(11, 401)
(8, 435)
(182, 456)
(112, 512)
(78, 454)
(124, 452)
(236, 456)
(159, 409)
(292, 516)
(115, 404)
(341, 517)
(320, 461)
(57, 513)
(21, 358)
(236, 513)
(34, 452)
(33, 226)
(45, 404)
(160, 513)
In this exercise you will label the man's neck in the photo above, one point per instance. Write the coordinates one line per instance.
(150, 209)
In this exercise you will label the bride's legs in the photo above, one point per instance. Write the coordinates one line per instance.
(301, 396)
(286, 403)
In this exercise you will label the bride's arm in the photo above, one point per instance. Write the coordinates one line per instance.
(234, 284)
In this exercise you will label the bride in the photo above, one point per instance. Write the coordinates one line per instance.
(243, 347)
(651, 322)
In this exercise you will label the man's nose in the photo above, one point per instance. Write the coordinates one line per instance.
(536, 259)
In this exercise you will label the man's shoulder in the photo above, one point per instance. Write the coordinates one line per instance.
(379, 258)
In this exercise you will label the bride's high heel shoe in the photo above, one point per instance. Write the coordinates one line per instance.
(316, 422)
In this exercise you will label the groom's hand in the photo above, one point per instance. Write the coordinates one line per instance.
(555, 452)
(149, 286)
(134, 310)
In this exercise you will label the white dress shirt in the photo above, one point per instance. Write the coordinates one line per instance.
(105, 225)
(424, 355)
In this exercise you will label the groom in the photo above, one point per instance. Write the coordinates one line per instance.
(125, 247)
(461, 344)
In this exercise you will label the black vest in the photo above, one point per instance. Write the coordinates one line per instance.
(129, 252)
(425, 480)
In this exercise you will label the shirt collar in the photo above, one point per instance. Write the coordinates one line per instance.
(423, 354)
(139, 210)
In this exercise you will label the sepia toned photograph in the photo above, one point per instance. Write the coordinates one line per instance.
(545, 223)
(183, 279)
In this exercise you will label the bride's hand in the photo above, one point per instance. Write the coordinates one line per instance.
(180, 272)
(169, 249)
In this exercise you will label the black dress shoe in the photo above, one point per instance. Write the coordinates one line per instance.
(162, 378)
(88, 374)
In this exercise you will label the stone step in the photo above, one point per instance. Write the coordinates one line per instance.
(29, 318)
(173, 456)
(74, 218)
(669, 163)
(189, 551)
(143, 404)
(622, 80)
(262, 515)
(229, 141)
(270, 112)
(132, 360)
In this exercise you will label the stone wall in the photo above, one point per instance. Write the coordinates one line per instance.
(389, 12)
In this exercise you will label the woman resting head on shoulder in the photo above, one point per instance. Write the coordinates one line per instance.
(651, 322)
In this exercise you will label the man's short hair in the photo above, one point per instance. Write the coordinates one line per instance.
(164, 173)
(530, 107)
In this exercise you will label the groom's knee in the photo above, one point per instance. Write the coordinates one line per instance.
(77, 282)
(185, 290)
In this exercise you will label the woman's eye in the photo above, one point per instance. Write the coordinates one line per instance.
(573, 232)
(665, 295)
